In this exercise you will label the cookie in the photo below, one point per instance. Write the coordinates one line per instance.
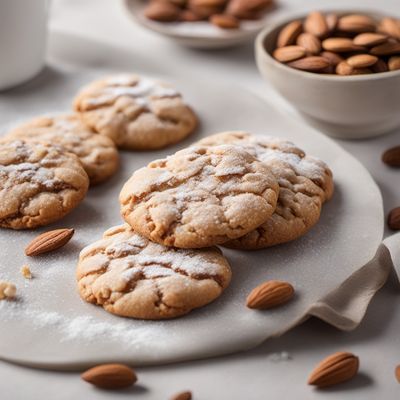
(39, 183)
(129, 275)
(97, 153)
(305, 184)
(136, 113)
(200, 196)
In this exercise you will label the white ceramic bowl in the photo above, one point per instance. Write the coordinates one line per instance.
(202, 34)
(347, 107)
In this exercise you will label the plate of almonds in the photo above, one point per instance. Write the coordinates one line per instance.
(202, 23)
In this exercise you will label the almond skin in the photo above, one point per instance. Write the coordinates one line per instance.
(391, 157)
(356, 24)
(394, 219)
(270, 294)
(333, 58)
(289, 53)
(386, 49)
(380, 66)
(316, 24)
(310, 42)
(362, 60)
(369, 39)
(397, 373)
(182, 396)
(394, 63)
(336, 368)
(340, 45)
(110, 376)
(331, 21)
(162, 11)
(391, 27)
(225, 21)
(49, 241)
(310, 64)
(288, 35)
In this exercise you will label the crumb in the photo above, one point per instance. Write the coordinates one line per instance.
(7, 290)
(26, 272)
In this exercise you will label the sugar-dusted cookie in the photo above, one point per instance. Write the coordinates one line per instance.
(39, 183)
(97, 153)
(133, 277)
(135, 112)
(305, 183)
(200, 196)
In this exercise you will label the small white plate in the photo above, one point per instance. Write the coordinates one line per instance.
(201, 34)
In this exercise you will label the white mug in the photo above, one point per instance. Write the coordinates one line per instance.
(23, 31)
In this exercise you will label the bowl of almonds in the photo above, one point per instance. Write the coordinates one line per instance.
(203, 24)
(340, 70)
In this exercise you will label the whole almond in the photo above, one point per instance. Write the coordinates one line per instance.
(340, 45)
(182, 396)
(270, 294)
(386, 49)
(247, 9)
(380, 66)
(391, 157)
(333, 58)
(344, 69)
(310, 42)
(356, 23)
(110, 376)
(225, 21)
(369, 39)
(310, 64)
(162, 11)
(336, 368)
(391, 27)
(394, 63)
(289, 53)
(49, 241)
(288, 35)
(394, 219)
(397, 373)
(362, 60)
(189, 16)
(316, 24)
(332, 20)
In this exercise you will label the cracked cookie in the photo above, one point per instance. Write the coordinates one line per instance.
(97, 153)
(136, 113)
(305, 184)
(199, 197)
(39, 183)
(129, 275)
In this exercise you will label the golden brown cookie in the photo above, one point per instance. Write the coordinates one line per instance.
(39, 183)
(136, 113)
(129, 275)
(199, 197)
(98, 154)
(305, 183)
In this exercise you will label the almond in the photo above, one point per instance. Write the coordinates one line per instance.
(310, 42)
(397, 373)
(340, 45)
(356, 23)
(337, 368)
(247, 9)
(344, 69)
(189, 16)
(394, 63)
(394, 219)
(110, 376)
(288, 35)
(182, 396)
(331, 21)
(49, 241)
(369, 39)
(162, 11)
(386, 49)
(380, 66)
(225, 21)
(391, 157)
(333, 58)
(310, 64)
(316, 24)
(289, 53)
(270, 294)
(362, 60)
(391, 27)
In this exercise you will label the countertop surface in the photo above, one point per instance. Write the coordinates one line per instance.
(279, 368)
